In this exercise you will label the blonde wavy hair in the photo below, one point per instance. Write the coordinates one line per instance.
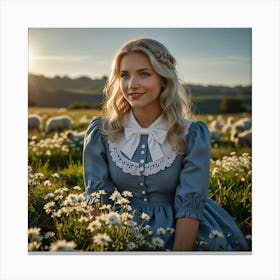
(173, 99)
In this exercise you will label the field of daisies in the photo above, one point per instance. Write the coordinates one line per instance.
(59, 217)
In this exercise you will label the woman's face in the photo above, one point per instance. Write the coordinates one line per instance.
(140, 84)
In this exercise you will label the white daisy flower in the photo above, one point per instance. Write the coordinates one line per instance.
(157, 242)
(102, 239)
(215, 234)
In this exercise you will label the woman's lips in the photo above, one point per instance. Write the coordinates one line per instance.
(135, 95)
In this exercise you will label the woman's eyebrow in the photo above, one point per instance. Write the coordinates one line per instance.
(138, 70)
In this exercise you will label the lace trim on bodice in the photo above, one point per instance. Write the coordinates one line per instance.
(135, 168)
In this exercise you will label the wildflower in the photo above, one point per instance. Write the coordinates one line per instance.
(58, 197)
(157, 242)
(48, 207)
(49, 234)
(101, 192)
(215, 171)
(34, 246)
(33, 232)
(77, 188)
(203, 244)
(96, 224)
(145, 217)
(113, 219)
(122, 201)
(105, 207)
(102, 239)
(62, 245)
(94, 197)
(131, 246)
(83, 219)
(49, 195)
(38, 175)
(148, 229)
(61, 190)
(126, 207)
(127, 194)
(55, 175)
(130, 223)
(215, 234)
(248, 237)
(47, 183)
(170, 230)
(161, 231)
(115, 196)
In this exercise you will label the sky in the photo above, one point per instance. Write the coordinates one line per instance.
(205, 56)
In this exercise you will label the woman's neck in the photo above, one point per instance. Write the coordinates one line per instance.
(146, 118)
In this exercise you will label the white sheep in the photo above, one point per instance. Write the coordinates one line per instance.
(216, 124)
(215, 135)
(240, 126)
(244, 138)
(34, 122)
(58, 123)
(75, 136)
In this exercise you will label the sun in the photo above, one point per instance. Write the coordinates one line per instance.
(31, 59)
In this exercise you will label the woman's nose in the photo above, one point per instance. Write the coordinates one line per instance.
(133, 82)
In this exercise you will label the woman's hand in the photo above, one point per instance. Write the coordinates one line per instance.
(185, 234)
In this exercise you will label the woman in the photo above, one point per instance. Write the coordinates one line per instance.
(146, 145)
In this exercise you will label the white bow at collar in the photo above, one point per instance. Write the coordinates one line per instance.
(156, 137)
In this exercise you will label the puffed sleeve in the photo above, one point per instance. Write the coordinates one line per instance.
(95, 163)
(191, 193)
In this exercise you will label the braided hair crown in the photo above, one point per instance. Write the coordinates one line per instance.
(160, 52)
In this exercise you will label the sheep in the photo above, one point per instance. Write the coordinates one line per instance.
(240, 126)
(214, 135)
(58, 123)
(34, 122)
(75, 136)
(244, 138)
(216, 124)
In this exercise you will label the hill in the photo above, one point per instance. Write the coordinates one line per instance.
(64, 91)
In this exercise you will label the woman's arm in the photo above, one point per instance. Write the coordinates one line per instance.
(185, 234)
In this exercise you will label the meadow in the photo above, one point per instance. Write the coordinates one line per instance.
(58, 216)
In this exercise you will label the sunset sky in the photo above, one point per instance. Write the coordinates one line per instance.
(216, 56)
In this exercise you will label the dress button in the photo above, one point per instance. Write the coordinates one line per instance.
(141, 168)
(142, 161)
(141, 184)
(143, 146)
(145, 199)
(143, 192)
(142, 152)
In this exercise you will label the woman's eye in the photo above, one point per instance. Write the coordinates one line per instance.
(144, 74)
(124, 75)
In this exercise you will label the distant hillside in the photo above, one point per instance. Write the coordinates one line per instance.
(64, 91)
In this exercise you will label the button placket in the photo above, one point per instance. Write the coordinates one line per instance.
(142, 161)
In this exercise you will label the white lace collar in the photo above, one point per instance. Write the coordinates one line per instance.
(160, 150)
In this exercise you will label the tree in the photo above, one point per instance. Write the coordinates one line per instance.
(231, 105)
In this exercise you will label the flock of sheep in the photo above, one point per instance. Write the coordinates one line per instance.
(240, 131)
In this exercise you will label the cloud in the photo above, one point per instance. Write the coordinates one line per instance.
(62, 57)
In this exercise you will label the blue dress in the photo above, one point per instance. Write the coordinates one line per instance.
(167, 189)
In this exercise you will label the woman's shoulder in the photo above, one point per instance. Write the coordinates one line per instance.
(195, 127)
(97, 123)
(95, 128)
